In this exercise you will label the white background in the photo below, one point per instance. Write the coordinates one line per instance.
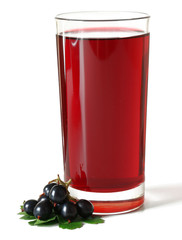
(30, 130)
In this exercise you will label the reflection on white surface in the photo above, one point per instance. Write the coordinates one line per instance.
(162, 195)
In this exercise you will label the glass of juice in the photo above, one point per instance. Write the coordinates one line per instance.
(103, 77)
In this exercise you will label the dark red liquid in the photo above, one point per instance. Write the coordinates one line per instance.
(103, 94)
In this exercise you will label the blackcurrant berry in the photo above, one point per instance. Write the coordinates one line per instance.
(29, 206)
(68, 211)
(48, 187)
(43, 210)
(58, 206)
(84, 208)
(58, 194)
(43, 197)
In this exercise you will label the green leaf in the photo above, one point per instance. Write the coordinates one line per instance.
(45, 224)
(60, 219)
(39, 222)
(69, 225)
(22, 213)
(93, 220)
(27, 217)
(32, 222)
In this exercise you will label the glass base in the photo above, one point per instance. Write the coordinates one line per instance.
(113, 202)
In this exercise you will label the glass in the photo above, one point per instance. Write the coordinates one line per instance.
(103, 76)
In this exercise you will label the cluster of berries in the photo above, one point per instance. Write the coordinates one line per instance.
(56, 198)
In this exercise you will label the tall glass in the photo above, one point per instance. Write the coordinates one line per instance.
(103, 75)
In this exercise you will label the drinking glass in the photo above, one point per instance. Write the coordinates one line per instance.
(103, 75)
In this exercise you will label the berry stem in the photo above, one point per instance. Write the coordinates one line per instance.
(72, 198)
(43, 194)
(68, 183)
(59, 181)
(54, 180)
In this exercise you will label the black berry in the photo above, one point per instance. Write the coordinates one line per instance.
(58, 206)
(47, 188)
(58, 194)
(84, 208)
(29, 206)
(43, 210)
(43, 197)
(68, 211)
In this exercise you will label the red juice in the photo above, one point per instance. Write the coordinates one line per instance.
(103, 95)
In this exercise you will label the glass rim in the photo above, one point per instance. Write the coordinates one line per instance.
(129, 16)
